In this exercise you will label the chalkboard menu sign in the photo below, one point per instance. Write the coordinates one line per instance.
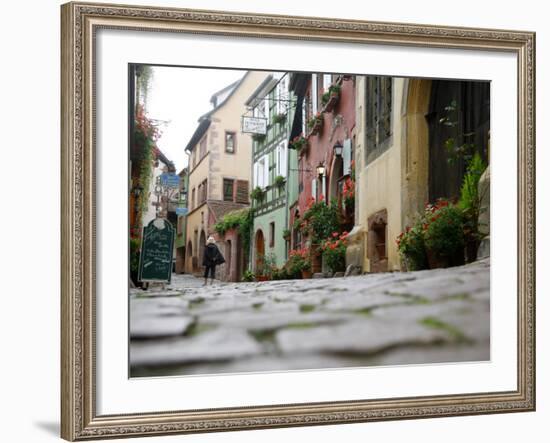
(155, 261)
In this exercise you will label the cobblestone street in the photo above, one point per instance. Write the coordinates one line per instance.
(376, 319)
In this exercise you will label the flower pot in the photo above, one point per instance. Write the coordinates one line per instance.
(436, 261)
(440, 261)
(306, 273)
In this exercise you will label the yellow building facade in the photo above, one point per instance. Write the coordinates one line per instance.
(400, 159)
(220, 166)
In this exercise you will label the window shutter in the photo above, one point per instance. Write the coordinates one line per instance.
(346, 156)
(314, 89)
(242, 191)
(314, 188)
(266, 171)
(283, 152)
(327, 81)
(255, 175)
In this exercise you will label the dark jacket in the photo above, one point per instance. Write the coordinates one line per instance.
(212, 256)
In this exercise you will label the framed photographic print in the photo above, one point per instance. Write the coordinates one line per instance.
(283, 221)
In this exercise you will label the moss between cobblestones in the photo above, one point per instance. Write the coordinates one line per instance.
(196, 301)
(198, 328)
(435, 323)
(307, 308)
(257, 306)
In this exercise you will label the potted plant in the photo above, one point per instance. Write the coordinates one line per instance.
(443, 231)
(258, 137)
(257, 194)
(315, 123)
(299, 143)
(411, 247)
(248, 276)
(348, 196)
(279, 118)
(299, 262)
(331, 96)
(334, 251)
(279, 182)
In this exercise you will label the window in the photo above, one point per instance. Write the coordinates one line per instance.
(272, 234)
(241, 195)
(181, 220)
(378, 115)
(228, 189)
(230, 139)
(327, 81)
(193, 199)
(203, 191)
(203, 147)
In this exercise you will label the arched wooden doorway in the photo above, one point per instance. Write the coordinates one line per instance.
(464, 107)
(259, 249)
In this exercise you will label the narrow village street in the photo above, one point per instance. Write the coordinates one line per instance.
(389, 318)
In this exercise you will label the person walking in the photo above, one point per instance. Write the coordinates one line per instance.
(211, 258)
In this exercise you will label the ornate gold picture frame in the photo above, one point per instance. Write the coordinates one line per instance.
(80, 22)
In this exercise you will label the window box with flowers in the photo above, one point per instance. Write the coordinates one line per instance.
(257, 194)
(279, 118)
(315, 123)
(330, 98)
(299, 143)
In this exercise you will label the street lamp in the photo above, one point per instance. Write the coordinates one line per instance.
(338, 148)
(321, 170)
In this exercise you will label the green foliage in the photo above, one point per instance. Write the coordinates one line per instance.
(443, 230)
(299, 260)
(334, 252)
(248, 276)
(332, 90)
(458, 147)
(470, 199)
(279, 118)
(267, 265)
(411, 247)
(286, 234)
(320, 221)
(280, 274)
(279, 181)
(257, 194)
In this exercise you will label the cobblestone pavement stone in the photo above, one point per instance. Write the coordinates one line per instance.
(419, 317)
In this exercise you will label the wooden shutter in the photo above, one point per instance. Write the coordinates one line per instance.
(346, 156)
(242, 191)
(314, 89)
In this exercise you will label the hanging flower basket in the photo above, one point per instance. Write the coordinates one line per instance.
(279, 118)
(331, 97)
(315, 124)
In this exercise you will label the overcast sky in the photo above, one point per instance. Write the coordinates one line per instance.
(180, 96)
